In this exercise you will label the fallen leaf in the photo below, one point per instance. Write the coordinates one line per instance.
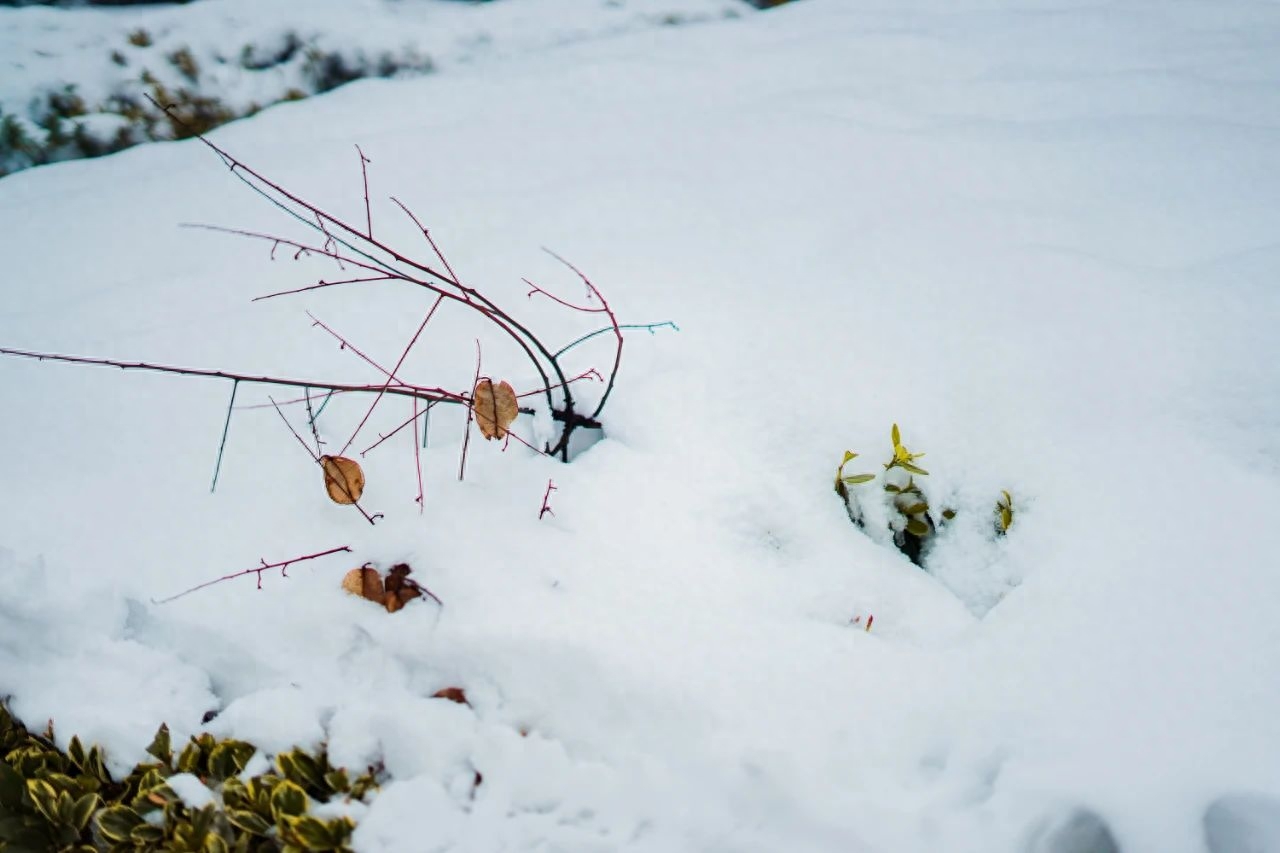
(397, 577)
(364, 582)
(343, 479)
(453, 694)
(392, 602)
(495, 407)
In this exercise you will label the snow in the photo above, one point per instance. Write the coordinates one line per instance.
(1039, 236)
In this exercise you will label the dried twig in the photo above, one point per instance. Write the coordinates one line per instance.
(466, 434)
(257, 570)
(432, 394)
(546, 497)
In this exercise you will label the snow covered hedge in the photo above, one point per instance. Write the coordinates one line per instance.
(75, 81)
(212, 795)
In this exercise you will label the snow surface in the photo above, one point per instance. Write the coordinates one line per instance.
(1041, 236)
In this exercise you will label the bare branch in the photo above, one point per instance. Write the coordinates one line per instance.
(436, 395)
(257, 570)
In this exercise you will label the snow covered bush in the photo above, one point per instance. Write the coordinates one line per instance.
(222, 61)
(212, 796)
(204, 91)
(363, 257)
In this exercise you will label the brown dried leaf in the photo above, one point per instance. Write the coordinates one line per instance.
(392, 602)
(343, 479)
(494, 407)
(396, 577)
(453, 694)
(364, 582)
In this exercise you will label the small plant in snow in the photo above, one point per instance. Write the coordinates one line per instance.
(910, 517)
(1004, 513)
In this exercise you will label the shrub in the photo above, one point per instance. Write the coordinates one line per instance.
(51, 799)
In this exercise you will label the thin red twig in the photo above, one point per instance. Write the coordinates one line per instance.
(435, 395)
(382, 437)
(513, 434)
(613, 321)
(430, 242)
(391, 377)
(322, 284)
(328, 241)
(346, 344)
(585, 309)
(588, 374)
(546, 496)
(364, 175)
(257, 570)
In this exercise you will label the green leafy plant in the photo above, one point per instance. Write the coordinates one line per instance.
(911, 519)
(843, 480)
(1004, 513)
(52, 799)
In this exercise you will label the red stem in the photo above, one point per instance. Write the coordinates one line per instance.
(364, 175)
(322, 283)
(391, 377)
(613, 321)
(346, 344)
(433, 394)
(258, 570)
(546, 507)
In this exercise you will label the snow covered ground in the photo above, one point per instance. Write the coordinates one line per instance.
(1040, 236)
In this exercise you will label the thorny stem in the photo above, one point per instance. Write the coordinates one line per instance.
(322, 283)
(391, 377)
(256, 570)
(591, 373)
(364, 176)
(350, 346)
(546, 496)
(311, 420)
(433, 394)
(381, 438)
(427, 235)
(613, 321)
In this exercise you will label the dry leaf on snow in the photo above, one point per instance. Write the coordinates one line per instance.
(393, 593)
(364, 582)
(343, 479)
(495, 407)
(453, 694)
